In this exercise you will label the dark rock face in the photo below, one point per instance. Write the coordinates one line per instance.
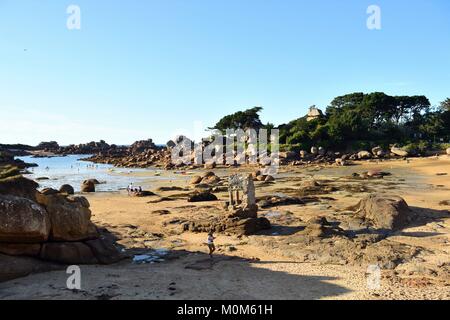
(235, 226)
(141, 146)
(384, 212)
(18, 186)
(247, 226)
(104, 251)
(86, 148)
(22, 220)
(247, 212)
(67, 188)
(319, 227)
(88, 186)
(48, 146)
(202, 196)
(68, 253)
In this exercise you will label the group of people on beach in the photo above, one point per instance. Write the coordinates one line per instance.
(131, 189)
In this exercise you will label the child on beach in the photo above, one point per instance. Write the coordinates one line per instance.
(210, 243)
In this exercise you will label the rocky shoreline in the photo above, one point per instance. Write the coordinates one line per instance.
(45, 230)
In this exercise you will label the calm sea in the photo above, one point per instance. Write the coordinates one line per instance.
(73, 171)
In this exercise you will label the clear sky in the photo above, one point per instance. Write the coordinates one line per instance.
(153, 68)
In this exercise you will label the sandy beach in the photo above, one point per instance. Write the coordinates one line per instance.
(271, 264)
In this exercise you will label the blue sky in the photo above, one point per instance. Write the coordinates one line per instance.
(151, 69)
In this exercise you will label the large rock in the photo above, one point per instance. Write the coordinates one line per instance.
(384, 212)
(70, 217)
(68, 253)
(250, 211)
(378, 152)
(211, 179)
(202, 196)
(195, 180)
(448, 151)
(364, 155)
(18, 186)
(22, 220)
(235, 226)
(247, 226)
(88, 186)
(67, 188)
(399, 152)
(48, 146)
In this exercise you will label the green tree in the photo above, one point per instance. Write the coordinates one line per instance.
(248, 119)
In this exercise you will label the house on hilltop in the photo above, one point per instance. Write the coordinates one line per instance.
(314, 113)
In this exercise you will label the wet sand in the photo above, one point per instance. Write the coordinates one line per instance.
(258, 266)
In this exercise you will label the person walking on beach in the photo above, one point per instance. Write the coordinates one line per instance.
(210, 243)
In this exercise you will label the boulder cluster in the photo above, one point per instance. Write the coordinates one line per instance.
(319, 155)
(86, 148)
(141, 154)
(46, 226)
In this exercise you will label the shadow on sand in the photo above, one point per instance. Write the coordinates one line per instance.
(180, 274)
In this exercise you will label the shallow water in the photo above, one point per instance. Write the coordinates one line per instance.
(71, 170)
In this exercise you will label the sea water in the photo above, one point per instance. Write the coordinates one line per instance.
(73, 170)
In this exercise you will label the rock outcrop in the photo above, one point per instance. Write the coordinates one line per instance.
(39, 231)
(384, 212)
(88, 186)
(67, 189)
(51, 146)
(399, 152)
(364, 155)
(70, 216)
(22, 220)
(202, 196)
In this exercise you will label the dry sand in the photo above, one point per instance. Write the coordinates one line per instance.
(255, 267)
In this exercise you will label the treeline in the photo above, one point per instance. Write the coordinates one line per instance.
(359, 121)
